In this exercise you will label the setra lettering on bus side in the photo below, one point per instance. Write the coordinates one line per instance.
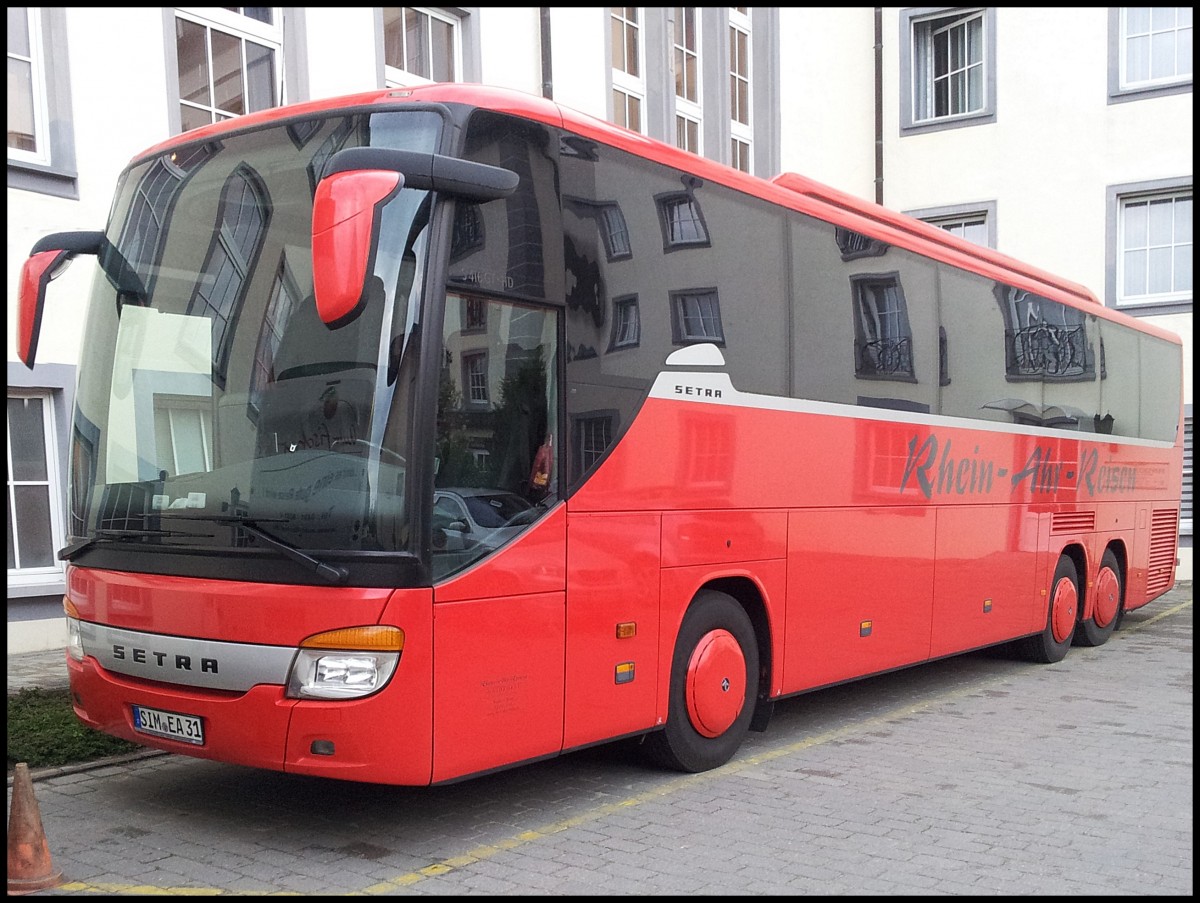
(703, 391)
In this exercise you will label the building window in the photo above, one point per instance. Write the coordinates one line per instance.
(420, 45)
(41, 150)
(682, 221)
(28, 118)
(227, 63)
(697, 317)
(1156, 45)
(627, 323)
(1154, 259)
(883, 338)
(687, 78)
(628, 83)
(241, 224)
(34, 522)
(741, 133)
(974, 222)
(947, 68)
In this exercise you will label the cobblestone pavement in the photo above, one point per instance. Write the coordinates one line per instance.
(974, 775)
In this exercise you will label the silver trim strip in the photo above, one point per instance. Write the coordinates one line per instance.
(208, 664)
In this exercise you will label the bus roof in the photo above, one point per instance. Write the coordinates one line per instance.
(787, 189)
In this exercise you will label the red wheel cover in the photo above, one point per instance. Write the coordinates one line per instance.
(1108, 597)
(716, 683)
(1062, 609)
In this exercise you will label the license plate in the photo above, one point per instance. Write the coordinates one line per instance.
(172, 725)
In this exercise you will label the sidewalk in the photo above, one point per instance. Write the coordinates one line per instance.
(47, 670)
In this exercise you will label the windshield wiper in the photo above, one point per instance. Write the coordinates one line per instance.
(327, 572)
(69, 552)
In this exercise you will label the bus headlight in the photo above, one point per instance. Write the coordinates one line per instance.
(74, 631)
(345, 664)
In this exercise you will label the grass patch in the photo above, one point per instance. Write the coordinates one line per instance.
(44, 732)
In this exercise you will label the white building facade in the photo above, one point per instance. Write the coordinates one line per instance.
(1062, 137)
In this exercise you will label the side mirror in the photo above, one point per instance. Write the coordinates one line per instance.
(347, 207)
(48, 258)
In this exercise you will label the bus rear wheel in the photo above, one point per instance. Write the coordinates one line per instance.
(1106, 608)
(1052, 644)
(714, 682)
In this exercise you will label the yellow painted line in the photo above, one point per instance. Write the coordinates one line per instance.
(737, 766)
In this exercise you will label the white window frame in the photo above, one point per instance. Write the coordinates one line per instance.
(50, 576)
(741, 134)
(244, 28)
(1175, 294)
(689, 111)
(1177, 76)
(623, 82)
(37, 78)
(397, 77)
(914, 78)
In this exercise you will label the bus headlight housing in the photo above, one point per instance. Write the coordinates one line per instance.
(345, 664)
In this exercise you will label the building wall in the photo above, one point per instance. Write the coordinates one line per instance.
(1045, 163)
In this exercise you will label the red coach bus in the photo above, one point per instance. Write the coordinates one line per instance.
(424, 433)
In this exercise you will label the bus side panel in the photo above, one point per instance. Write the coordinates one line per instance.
(497, 682)
(859, 591)
(386, 737)
(612, 578)
(1135, 590)
(985, 581)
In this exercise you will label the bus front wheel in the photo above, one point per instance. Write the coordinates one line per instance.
(714, 682)
(1052, 643)
(1106, 608)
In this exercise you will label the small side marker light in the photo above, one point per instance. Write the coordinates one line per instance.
(624, 673)
(321, 748)
(987, 605)
(626, 630)
(864, 629)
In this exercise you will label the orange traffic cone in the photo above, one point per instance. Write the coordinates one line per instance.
(29, 867)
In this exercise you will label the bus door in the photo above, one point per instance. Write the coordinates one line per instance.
(499, 539)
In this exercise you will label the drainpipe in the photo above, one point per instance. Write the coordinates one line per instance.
(878, 105)
(547, 76)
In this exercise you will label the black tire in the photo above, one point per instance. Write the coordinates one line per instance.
(1053, 643)
(716, 654)
(1107, 606)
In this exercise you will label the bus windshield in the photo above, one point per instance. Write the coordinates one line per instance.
(215, 409)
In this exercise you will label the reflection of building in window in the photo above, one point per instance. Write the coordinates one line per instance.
(614, 232)
(1155, 254)
(330, 146)
(682, 222)
(1157, 44)
(237, 239)
(883, 338)
(226, 63)
(854, 244)
(686, 47)
(629, 86)
(697, 316)
(419, 45)
(467, 236)
(740, 129)
(1044, 339)
(706, 453)
(284, 295)
(182, 434)
(593, 435)
(627, 323)
(142, 238)
(475, 377)
(949, 67)
(474, 315)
